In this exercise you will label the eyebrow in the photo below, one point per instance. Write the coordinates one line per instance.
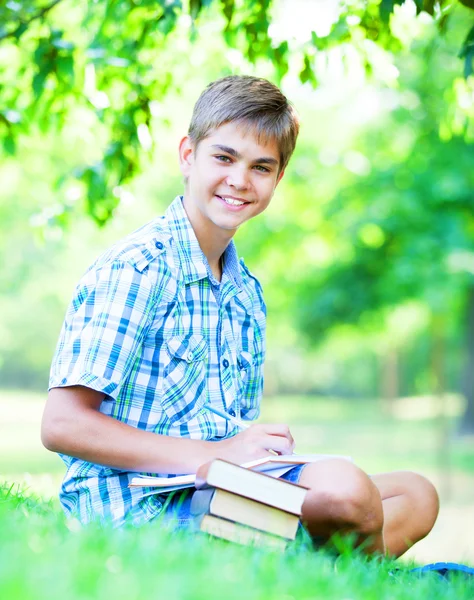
(264, 160)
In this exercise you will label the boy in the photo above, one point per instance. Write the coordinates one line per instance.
(169, 321)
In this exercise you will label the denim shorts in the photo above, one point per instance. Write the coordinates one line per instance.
(177, 505)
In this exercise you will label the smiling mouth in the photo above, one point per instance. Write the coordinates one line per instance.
(233, 201)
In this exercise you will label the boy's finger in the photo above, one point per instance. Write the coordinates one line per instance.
(290, 439)
(278, 443)
(279, 429)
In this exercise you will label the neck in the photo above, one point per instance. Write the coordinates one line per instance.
(212, 239)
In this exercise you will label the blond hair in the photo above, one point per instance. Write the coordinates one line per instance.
(255, 103)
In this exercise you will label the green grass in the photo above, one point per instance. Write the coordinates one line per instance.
(43, 556)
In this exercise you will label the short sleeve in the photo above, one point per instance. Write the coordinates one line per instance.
(104, 328)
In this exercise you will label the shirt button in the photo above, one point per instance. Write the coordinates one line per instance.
(189, 357)
(225, 362)
(232, 412)
(159, 245)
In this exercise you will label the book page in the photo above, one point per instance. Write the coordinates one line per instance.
(181, 481)
(271, 463)
(276, 466)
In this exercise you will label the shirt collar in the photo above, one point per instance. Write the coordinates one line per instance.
(232, 265)
(193, 262)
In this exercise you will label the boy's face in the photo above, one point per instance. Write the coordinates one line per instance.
(230, 177)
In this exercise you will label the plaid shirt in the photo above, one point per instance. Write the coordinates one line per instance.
(146, 330)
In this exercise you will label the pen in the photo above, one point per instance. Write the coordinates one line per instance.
(227, 417)
(232, 419)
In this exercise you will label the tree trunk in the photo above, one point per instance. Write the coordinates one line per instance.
(438, 355)
(467, 422)
(389, 380)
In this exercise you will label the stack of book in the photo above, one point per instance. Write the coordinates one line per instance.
(244, 503)
(245, 506)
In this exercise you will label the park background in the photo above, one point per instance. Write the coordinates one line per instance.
(366, 253)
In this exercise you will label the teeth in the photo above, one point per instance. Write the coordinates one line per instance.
(232, 201)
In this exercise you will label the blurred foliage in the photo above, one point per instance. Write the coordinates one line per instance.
(107, 63)
(371, 229)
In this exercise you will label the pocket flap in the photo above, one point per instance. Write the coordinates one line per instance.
(188, 347)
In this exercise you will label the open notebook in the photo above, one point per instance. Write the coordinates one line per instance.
(276, 466)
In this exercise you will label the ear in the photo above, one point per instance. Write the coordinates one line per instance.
(186, 155)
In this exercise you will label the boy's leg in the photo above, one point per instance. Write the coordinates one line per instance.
(389, 512)
(410, 506)
(342, 498)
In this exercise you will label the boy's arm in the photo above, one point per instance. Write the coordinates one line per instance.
(73, 425)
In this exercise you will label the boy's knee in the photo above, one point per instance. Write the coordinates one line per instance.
(358, 505)
(423, 499)
(423, 489)
(350, 499)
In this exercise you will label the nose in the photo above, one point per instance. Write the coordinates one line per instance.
(238, 179)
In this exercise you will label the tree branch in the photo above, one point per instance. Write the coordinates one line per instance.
(24, 24)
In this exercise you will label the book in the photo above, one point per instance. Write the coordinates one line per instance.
(235, 532)
(276, 466)
(245, 511)
(260, 487)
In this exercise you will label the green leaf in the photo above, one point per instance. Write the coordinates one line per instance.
(167, 23)
(20, 30)
(41, 51)
(443, 22)
(228, 7)
(428, 6)
(319, 43)
(307, 73)
(468, 43)
(9, 144)
(65, 68)
(419, 6)
(194, 8)
(386, 8)
(38, 84)
(469, 63)
(467, 52)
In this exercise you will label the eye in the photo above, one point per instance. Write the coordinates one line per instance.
(222, 158)
(262, 169)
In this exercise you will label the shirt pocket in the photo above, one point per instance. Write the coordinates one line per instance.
(184, 387)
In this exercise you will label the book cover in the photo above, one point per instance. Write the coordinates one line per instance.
(232, 507)
(235, 532)
(260, 487)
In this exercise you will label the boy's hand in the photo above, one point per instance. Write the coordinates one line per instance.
(255, 442)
